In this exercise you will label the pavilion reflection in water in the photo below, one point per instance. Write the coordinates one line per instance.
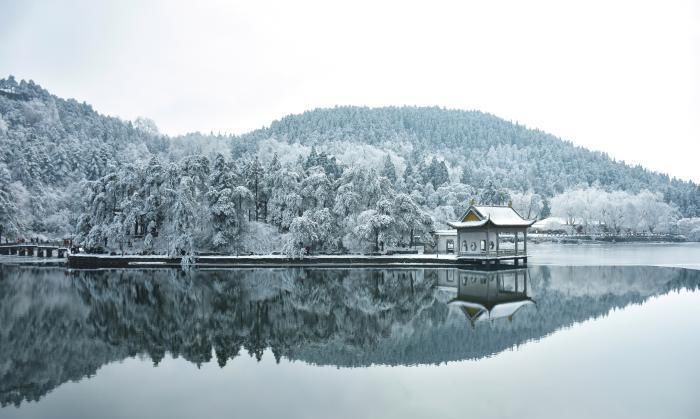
(487, 295)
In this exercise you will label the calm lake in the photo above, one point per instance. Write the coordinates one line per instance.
(569, 336)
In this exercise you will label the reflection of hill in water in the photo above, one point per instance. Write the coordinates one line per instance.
(57, 327)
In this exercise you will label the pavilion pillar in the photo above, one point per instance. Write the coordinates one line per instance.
(488, 243)
(459, 243)
(516, 242)
(497, 242)
(525, 242)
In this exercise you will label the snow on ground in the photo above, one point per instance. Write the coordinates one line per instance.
(428, 256)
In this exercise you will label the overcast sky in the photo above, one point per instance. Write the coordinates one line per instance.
(617, 76)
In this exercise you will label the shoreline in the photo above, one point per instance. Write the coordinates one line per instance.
(538, 238)
(83, 261)
(678, 255)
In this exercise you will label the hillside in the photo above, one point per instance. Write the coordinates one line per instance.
(48, 145)
(482, 145)
(331, 179)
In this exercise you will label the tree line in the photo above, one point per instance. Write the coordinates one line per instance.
(227, 205)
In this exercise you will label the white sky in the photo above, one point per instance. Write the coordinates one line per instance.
(618, 76)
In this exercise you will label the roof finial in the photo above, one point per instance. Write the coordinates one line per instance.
(510, 203)
(472, 202)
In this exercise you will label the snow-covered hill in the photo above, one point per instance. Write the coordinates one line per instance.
(348, 177)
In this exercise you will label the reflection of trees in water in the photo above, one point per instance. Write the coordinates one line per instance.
(57, 327)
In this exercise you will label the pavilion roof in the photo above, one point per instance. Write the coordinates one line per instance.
(466, 224)
(478, 312)
(502, 216)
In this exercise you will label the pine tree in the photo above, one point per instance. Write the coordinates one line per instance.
(9, 221)
(409, 177)
(440, 175)
(312, 159)
(222, 205)
(466, 176)
(241, 195)
(546, 210)
(389, 171)
(253, 174)
(491, 195)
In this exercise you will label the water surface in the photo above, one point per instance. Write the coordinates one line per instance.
(680, 255)
(547, 341)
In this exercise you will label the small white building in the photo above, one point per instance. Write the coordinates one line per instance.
(445, 241)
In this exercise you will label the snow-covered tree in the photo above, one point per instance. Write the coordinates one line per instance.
(493, 195)
(285, 202)
(181, 218)
(303, 232)
(371, 224)
(253, 174)
(316, 189)
(146, 125)
(389, 170)
(409, 219)
(241, 196)
(596, 210)
(690, 228)
(10, 225)
(527, 204)
(222, 204)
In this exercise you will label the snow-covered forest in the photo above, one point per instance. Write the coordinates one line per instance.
(331, 180)
(242, 205)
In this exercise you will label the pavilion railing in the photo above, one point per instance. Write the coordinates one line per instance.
(500, 252)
